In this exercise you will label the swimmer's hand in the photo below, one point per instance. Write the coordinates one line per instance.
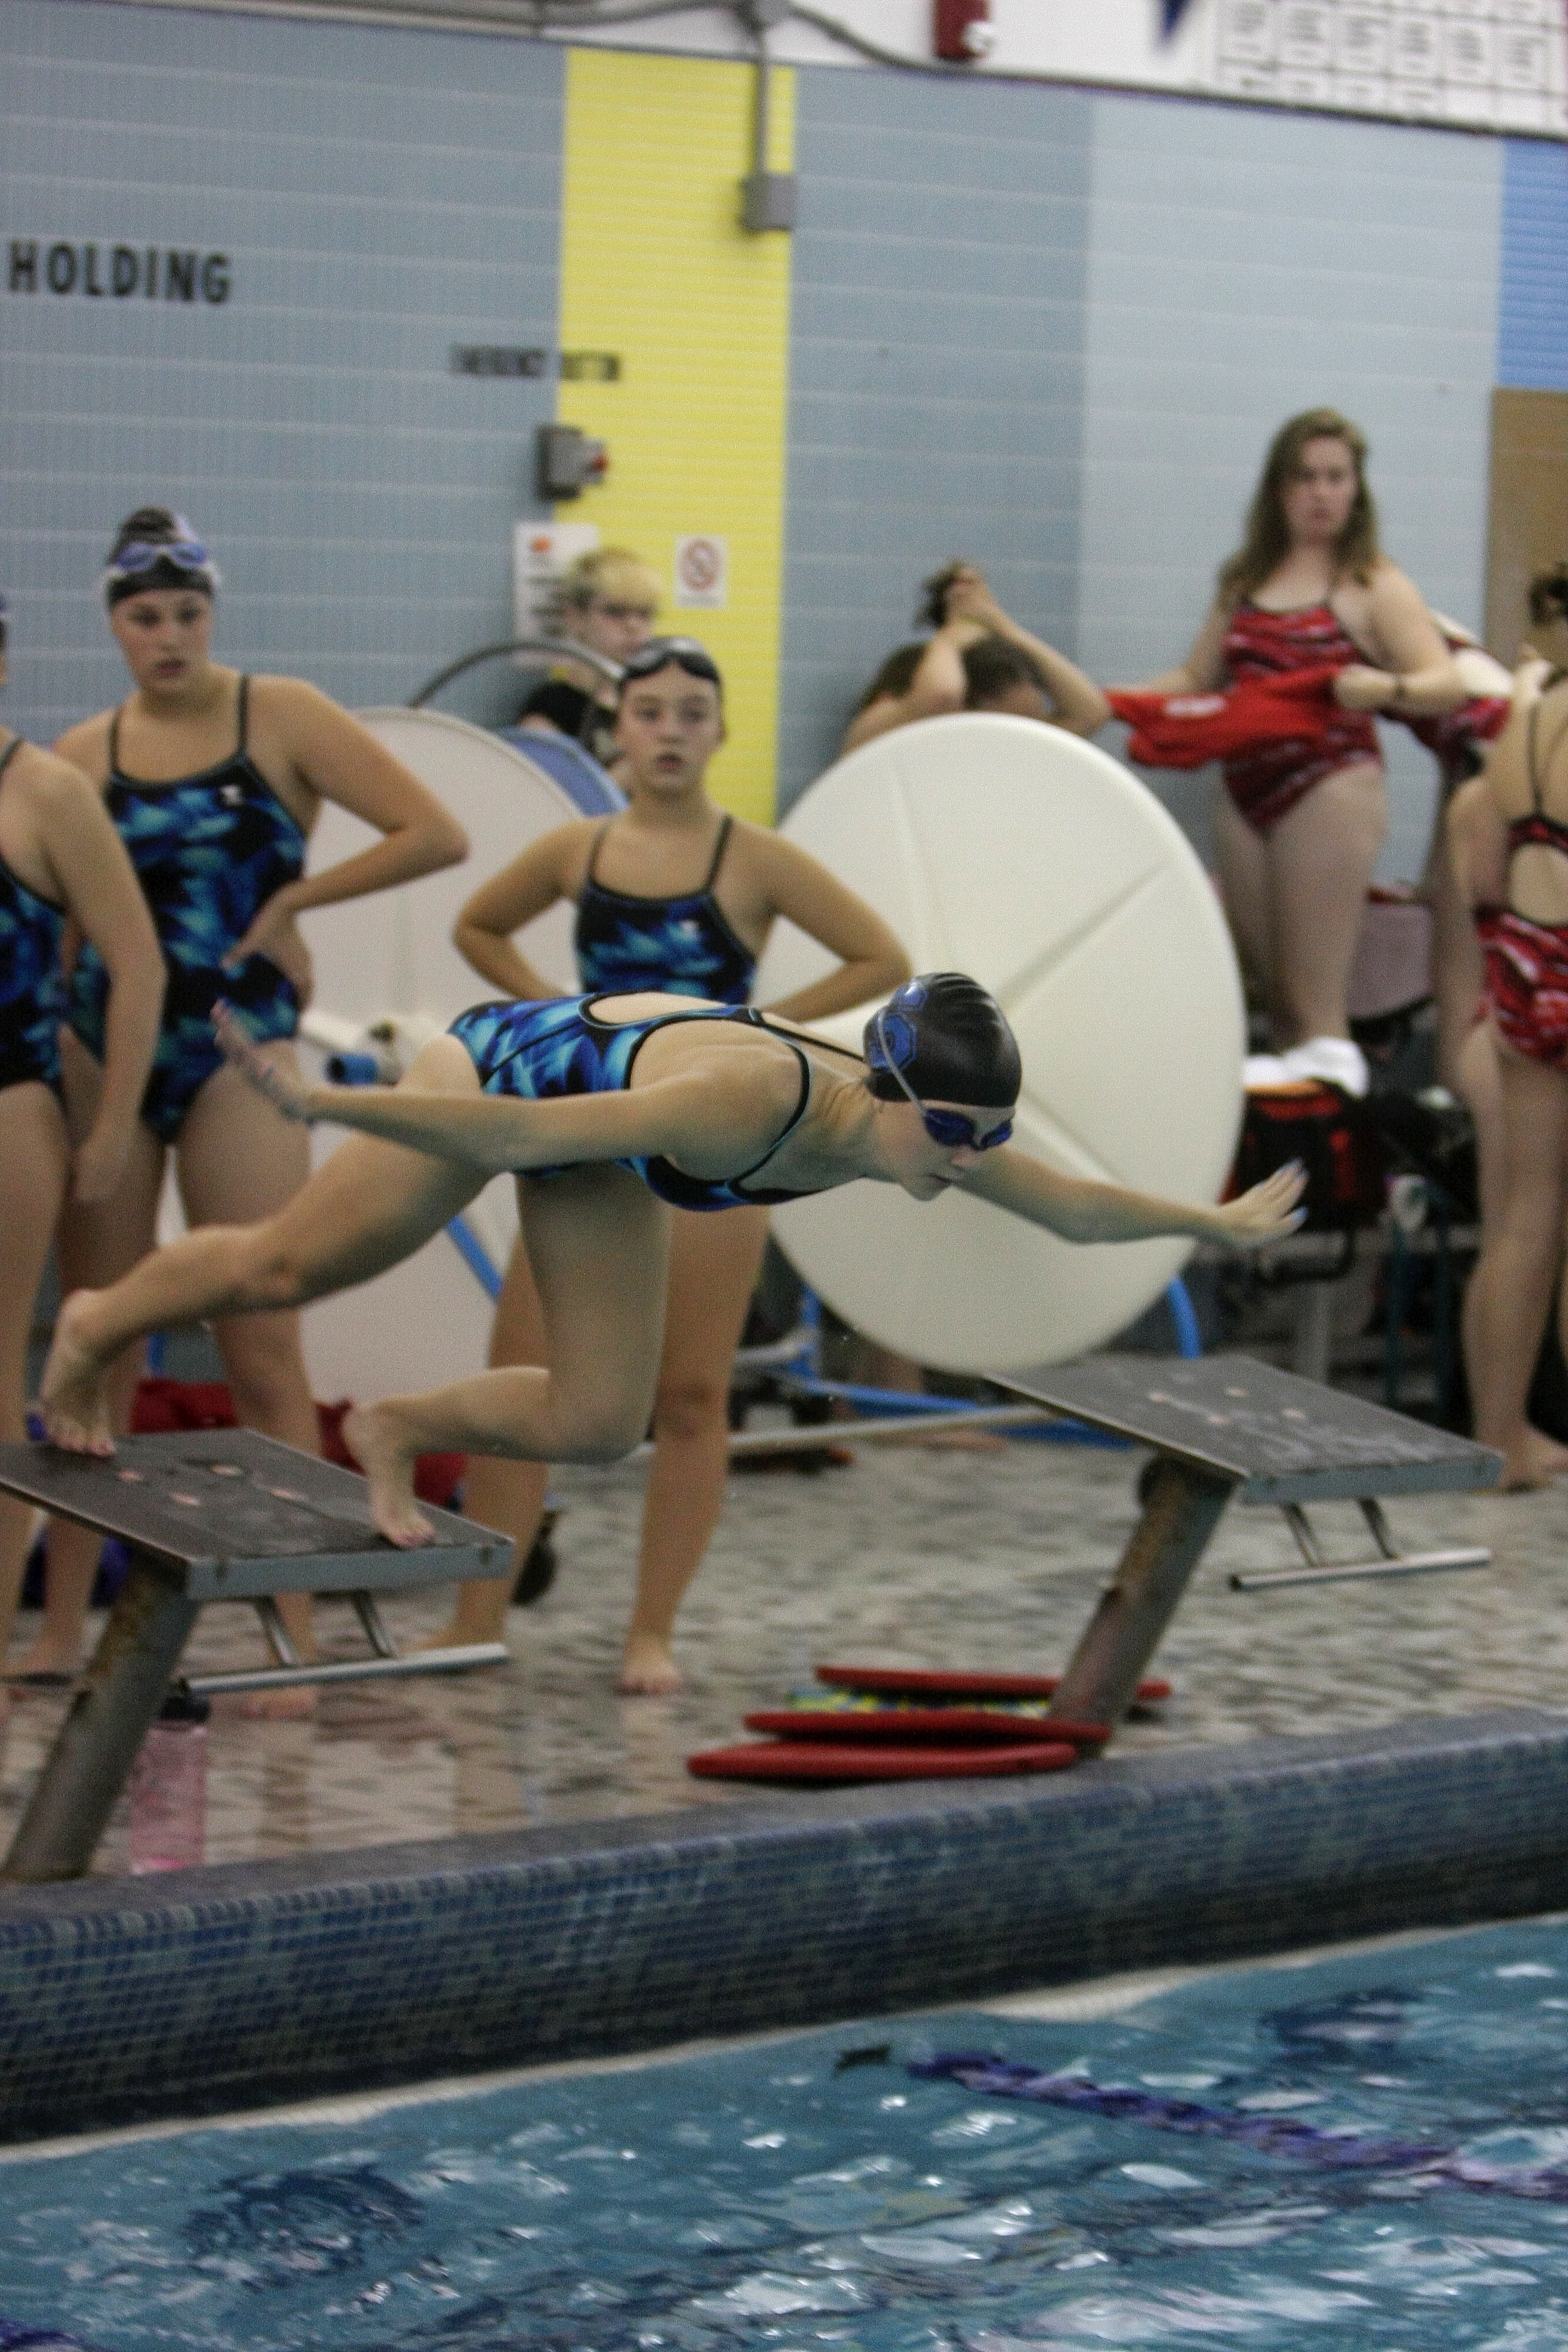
(276, 934)
(1269, 1213)
(283, 1088)
(1361, 687)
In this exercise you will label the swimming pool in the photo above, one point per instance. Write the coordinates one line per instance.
(813, 2192)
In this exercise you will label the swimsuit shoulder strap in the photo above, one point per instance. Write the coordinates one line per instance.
(114, 741)
(802, 1100)
(591, 878)
(718, 848)
(9, 753)
(244, 715)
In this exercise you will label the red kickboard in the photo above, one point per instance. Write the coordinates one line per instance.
(934, 1725)
(919, 1682)
(804, 1759)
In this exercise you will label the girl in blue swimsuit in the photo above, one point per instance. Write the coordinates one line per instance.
(61, 859)
(673, 895)
(214, 781)
(607, 1107)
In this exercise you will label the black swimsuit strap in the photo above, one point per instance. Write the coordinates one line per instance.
(590, 879)
(718, 848)
(244, 715)
(9, 753)
(114, 745)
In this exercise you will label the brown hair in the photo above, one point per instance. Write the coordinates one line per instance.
(1267, 539)
(993, 666)
(896, 676)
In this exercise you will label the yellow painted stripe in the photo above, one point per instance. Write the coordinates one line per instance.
(655, 267)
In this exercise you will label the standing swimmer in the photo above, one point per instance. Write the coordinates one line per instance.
(1509, 836)
(214, 780)
(61, 859)
(673, 895)
(1300, 829)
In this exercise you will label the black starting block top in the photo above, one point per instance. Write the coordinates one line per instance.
(1280, 1438)
(234, 1515)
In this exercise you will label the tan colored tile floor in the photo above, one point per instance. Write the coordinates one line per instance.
(911, 1556)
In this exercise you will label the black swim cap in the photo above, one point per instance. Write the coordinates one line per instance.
(949, 1039)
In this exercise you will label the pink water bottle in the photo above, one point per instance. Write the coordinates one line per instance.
(169, 1787)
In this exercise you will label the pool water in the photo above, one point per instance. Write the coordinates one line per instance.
(814, 2192)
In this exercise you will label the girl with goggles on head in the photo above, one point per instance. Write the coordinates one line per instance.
(214, 780)
(674, 896)
(60, 861)
(611, 1109)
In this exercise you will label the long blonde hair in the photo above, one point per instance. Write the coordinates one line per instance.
(1267, 539)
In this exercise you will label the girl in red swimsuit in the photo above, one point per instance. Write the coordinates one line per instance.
(1299, 825)
(1509, 839)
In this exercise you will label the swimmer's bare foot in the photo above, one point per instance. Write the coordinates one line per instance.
(648, 1668)
(71, 1399)
(373, 1435)
(1533, 1460)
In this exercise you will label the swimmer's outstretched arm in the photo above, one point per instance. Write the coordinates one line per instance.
(497, 1134)
(1083, 1212)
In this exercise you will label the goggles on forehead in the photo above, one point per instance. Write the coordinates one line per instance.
(142, 557)
(658, 654)
(952, 1129)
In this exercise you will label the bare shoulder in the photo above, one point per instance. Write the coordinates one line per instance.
(53, 785)
(285, 701)
(86, 746)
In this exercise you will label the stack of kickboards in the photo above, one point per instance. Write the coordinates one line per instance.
(874, 1723)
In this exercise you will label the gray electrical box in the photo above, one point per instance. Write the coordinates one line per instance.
(568, 460)
(768, 200)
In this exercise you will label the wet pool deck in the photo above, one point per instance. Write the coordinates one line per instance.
(912, 1556)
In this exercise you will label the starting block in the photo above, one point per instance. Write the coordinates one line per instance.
(1225, 1426)
(213, 1515)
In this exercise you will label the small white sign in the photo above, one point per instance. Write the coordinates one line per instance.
(540, 552)
(702, 572)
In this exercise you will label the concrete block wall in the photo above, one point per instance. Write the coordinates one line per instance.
(383, 194)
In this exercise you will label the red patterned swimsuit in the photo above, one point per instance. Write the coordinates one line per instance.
(1268, 780)
(1527, 963)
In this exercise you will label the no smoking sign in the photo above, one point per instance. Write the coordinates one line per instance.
(702, 572)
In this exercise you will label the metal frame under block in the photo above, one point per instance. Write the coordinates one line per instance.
(1225, 1426)
(211, 1515)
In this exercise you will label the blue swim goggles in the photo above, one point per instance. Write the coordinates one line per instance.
(142, 556)
(953, 1130)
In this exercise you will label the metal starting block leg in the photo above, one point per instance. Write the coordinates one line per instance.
(1391, 1560)
(1181, 1508)
(121, 1693)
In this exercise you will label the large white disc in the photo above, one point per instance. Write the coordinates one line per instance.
(394, 952)
(1025, 856)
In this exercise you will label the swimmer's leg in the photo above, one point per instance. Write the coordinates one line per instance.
(598, 1244)
(372, 1205)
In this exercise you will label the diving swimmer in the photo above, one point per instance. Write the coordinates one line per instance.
(606, 1109)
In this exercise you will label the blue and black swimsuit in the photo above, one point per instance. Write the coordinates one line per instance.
(678, 947)
(542, 1048)
(209, 851)
(32, 997)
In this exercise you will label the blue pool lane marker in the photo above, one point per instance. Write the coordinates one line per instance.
(1425, 2160)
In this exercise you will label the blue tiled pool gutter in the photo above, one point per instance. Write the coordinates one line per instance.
(206, 1991)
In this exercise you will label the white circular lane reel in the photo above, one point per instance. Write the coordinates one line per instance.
(1024, 856)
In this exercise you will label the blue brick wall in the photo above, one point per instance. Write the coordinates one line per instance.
(936, 370)
(1244, 266)
(1532, 304)
(383, 194)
